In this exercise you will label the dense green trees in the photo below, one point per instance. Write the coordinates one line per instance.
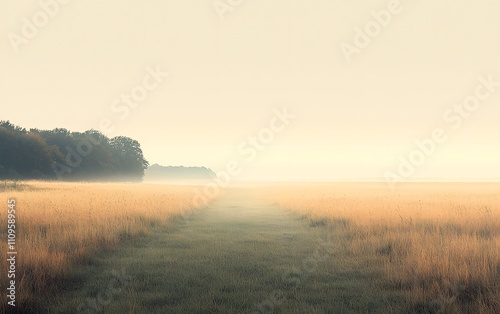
(64, 155)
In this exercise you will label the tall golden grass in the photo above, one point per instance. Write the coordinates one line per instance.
(60, 225)
(439, 242)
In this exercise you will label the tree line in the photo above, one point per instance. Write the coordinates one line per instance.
(59, 154)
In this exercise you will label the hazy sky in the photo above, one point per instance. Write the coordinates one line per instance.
(230, 66)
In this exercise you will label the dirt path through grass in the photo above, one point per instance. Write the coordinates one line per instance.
(239, 255)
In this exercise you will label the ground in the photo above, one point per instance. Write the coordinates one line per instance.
(241, 254)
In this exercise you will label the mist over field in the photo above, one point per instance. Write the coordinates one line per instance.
(231, 156)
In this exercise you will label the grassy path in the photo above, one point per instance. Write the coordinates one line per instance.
(239, 255)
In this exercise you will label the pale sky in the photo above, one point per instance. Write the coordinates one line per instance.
(226, 76)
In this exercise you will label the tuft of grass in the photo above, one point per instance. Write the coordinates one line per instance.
(318, 222)
(14, 185)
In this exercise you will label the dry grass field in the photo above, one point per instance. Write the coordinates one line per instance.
(61, 225)
(438, 242)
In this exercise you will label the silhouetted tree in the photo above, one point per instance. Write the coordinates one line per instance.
(59, 153)
(129, 157)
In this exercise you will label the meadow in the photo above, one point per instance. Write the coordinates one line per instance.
(60, 226)
(438, 243)
(423, 248)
